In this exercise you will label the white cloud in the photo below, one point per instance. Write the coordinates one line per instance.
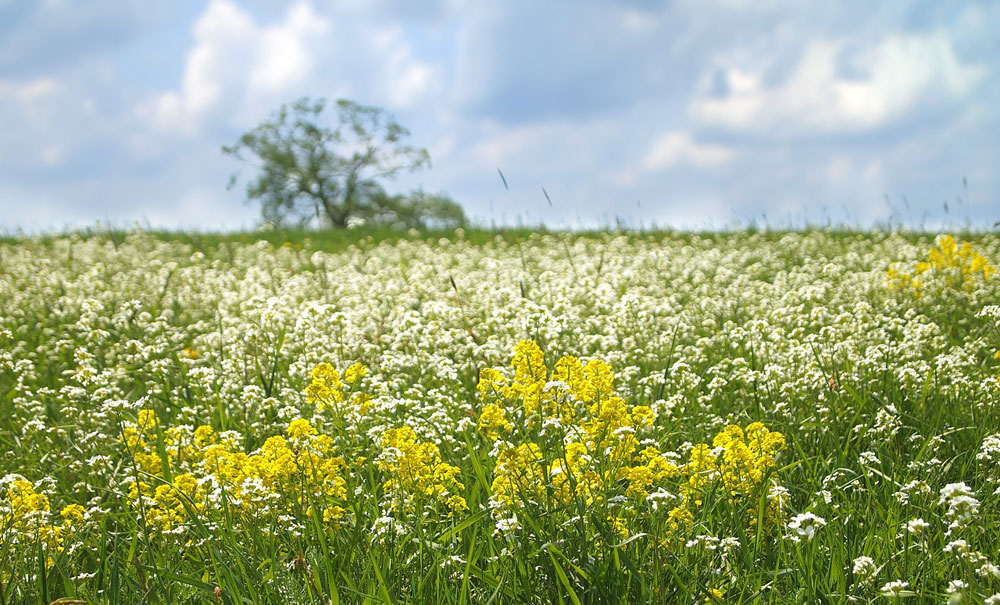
(33, 137)
(284, 59)
(595, 107)
(404, 80)
(238, 68)
(52, 154)
(499, 148)
(235, 62)
(26, 93)
(885, 83)
(677, 148)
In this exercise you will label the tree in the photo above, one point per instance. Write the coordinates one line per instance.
(308, 172)
(418, 210)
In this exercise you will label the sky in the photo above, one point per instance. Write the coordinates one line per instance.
(689, 114)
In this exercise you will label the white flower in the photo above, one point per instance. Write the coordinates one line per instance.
(553, 423)
(896, 588)
(509, 524)
(452, 560)
(805, 525)
(989, 569)
(659, 498)
(957, 547)
(382, 524)
(864, 567)
(730, 544)
(990, 311)
(915, 487)
(869, 459)
(953, 490)
(990, 450)
(962, 506)
(955, 590)
(917, 526)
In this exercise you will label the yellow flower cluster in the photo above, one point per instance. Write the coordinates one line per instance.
(493, 420)
(519, 478)
(529, 378)
(417, 474)
(743, 459)
(26, 519)
(747, 455)
(326, 389)
(355, 373)
(596, 455)
(286, 475)
(959, 265)
(163, 507)
(572, 381)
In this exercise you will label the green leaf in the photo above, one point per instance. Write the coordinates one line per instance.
(561, 574)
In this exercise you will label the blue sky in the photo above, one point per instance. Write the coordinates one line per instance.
(692, 114)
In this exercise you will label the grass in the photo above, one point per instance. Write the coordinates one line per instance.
(883, 398)
(336, 240)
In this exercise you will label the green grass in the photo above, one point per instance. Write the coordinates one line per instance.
(871, 388)
(336, 240)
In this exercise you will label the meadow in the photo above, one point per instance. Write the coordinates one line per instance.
(500, 417)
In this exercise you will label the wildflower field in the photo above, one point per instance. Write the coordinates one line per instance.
(506, 418)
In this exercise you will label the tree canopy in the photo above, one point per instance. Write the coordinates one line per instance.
(333, 176)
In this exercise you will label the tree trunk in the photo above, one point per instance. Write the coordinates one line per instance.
(337, 218)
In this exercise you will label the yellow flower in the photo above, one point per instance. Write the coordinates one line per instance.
(416, 472)
(600, 377)
(570, 371)
(325, 388)
(147, 422)
(300, 428)
(491, 382)
(679, 519)
(528, 363)
(519, 477)
(493, 419)
(456, 504)
(204, 435)
(27, 515)
(362, 402)
(642, 414)
(574, 476)
(130, 437)
(355, 373)
(620, 526)
(73, 513)
(333, 515)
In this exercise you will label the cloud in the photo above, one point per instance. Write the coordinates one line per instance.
(28, 92)
(516, 63)
(284, 60)
(669, 111)
(236, 62)
(835, 87)
(240, 69)
(679, 148)
(401, 79)
(51, 34)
